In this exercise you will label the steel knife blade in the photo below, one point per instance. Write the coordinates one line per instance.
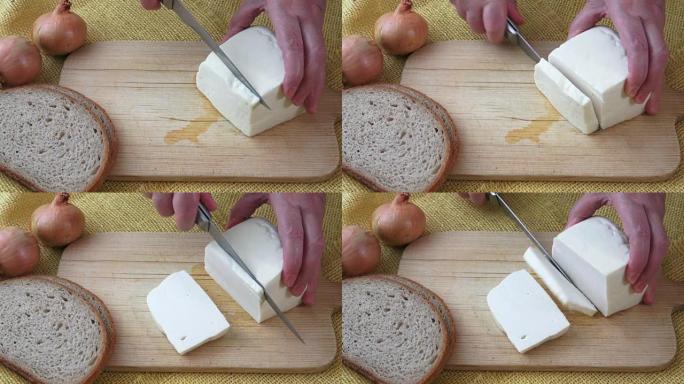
(514, 36)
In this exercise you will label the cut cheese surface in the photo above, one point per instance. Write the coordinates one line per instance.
(257, 55)
(570, 102)
(257, 243)
(185, 313)
(596, 62)
(525, 312)
(566, 293)
(594, 253)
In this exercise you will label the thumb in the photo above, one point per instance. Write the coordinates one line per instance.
(585, 207)
(245, 207)
(591, 14)
(244, 17)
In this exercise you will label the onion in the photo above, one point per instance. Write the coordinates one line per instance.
(19, 252)
(362, 60)
(61, 31)
(402, 31)
(20, 61)
(399, 222)
(58, 223)
(360, 251)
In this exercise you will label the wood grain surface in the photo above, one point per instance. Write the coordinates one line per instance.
(509, 131)
(121, 268)
(462, 267)
(169, 131)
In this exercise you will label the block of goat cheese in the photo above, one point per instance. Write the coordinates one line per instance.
(596, 62)
(594, 253)
(185, 313)
(567, 294)
(525, 312)
(257, 243)
(257, 55)
(568, 100)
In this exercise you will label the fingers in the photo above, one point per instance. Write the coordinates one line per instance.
(185, 209)
(208, 201)
(289, 36)
(151, 4)
(585, 207)
(494, 20)
(649, 295)
(514, 13)
(659, 246)
(585, 19)
(634, 40)
(311, 88)
(474, 19)
(314, 245)
(163, 202)
(291, 231)
(244, 17)
(655, 79)
(245, 207)
(478, 199)
(638, 230)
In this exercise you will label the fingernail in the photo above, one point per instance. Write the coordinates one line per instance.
(639, 287)
(289, 280)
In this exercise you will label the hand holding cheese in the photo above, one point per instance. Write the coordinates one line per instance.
(640, 25)
(488, 17)
(642, 219)
(300, 225)
(183, 206)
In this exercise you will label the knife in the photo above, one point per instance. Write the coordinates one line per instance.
(513, 35)
(204, 221)
(187, 17)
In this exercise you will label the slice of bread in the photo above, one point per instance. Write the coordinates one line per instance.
(390, 332)
(50, 141)
(392, 141)
(49, 334)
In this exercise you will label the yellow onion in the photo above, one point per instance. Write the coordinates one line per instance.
(58, 223)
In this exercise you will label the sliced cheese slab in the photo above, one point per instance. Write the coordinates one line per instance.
(185, 313)
(257, 55)
(596, 62)
(566, 293)
(594, 253)
(257, 243)
(570, 102)
(525, 312)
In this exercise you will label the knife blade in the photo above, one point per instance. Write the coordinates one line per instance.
(187, 17)
(204, 221)
(514, 36)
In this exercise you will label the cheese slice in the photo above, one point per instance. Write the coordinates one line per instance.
(596, 62)
(594, 253)
(256, 54)
(525, 312)
(566, 293)
(257, 243)
(570, 102)
(185, 313)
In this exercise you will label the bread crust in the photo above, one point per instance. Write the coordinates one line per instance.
(99, 363)
(107, 155)
(450, 151)
(442, 358)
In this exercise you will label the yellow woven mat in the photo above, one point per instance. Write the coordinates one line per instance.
(544, 20)
(126, 20)
(132, 212)
(542, 212)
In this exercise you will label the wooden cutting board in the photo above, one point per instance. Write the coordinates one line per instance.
(169, 131)
(508, 130)
(462, 267)
(121, 268)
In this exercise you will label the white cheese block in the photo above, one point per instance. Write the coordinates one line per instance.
(594, 253)
(596, 62)
(256, 54)
(566, 293)
(570, 102)
(525, 312)
(257, 243)
(185, 313)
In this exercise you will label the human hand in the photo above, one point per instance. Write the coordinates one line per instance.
(640, 25)
(151, 5)
(300, 226)
(488, 16)
(299, 30)
(183, 206)
(642, 220)
(478, 199)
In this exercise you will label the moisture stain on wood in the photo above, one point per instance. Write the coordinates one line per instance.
(535, 128)
(196, 127)
(198, 269)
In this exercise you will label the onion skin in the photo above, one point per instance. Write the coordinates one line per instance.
(360, 251)
(61, 31)
(399, 222)
(19, 252)
(58, 223)
(402, 31)
(362, 60)
(20, 61)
